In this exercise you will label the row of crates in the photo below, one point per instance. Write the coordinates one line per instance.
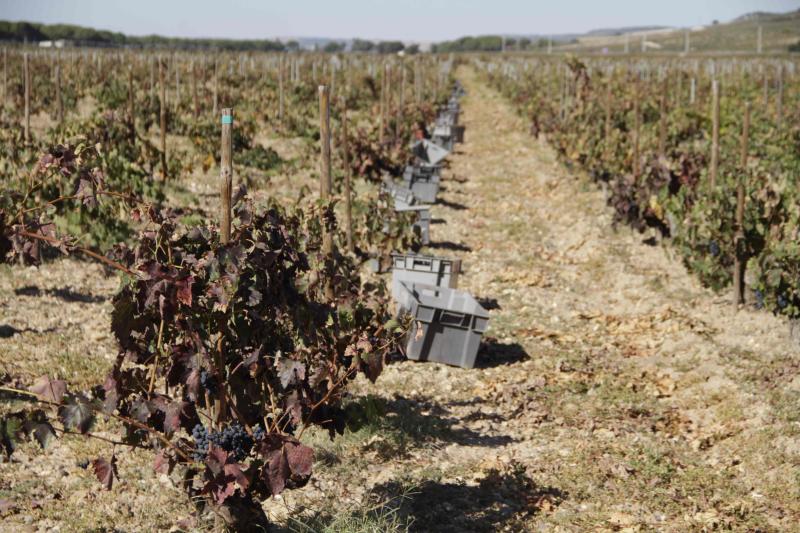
(448, 323)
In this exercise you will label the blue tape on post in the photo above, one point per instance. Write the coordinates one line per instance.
(227, 119)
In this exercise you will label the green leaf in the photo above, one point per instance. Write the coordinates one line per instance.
(9, 430)
(43, 432)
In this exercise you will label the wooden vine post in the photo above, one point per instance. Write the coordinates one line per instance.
(176, 66)
(779, 99)
(389, 108)
(662, 121)
(401, 103)
(5, 73)
(417, 82)
(131, 105)
(325, 183)
(740, 260)
(348, 192)
(280, 90)
(226, 192)
(607, 125)
(332, 89)
(152, 77)
(226, 175)
(216, 88)
(163, 117)
(636, 121)
(59, 99)
(382, 125)
(195, 99)
(26, 74)
(712, 172)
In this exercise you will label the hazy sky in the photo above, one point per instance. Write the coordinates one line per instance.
(376, 19)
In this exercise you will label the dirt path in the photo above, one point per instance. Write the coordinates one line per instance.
(616, 392)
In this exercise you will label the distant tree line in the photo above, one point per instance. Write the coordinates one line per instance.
(490, 43)
(365, 46)
(34, 32)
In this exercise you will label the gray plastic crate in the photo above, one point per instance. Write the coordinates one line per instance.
(421, 172)
(442, 137)
(424, 185)
(428, 153)
(448, 324)
(423, 220)
(403, 196)
(424, 269)
(447, 118)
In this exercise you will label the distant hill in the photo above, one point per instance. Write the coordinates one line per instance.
(740, 35)
(622, 31)
(779, 31)
(762, 16)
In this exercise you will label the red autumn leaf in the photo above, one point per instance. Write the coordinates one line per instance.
(232, 470)
(105, 471)
(217, 458)
(300, 459)
(172, 416)
(52, 390)
(163, 463)
(221, 487)
(184, 290)
(277, 472)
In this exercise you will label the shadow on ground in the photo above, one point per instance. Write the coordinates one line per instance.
(407, 422)
(7, 331)
(490, 304)
(506, 500)
(65, 294)
(494, 353)
(452, 246)
(452, 205)
(501, 501)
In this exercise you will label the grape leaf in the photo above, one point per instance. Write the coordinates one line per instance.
(43, 432)
(51, 390)
(289, 371)
(276, 471)
(76, 413)
(233, 470)
(105, 471)
(300, 459)
(9, 429)
(163, 463)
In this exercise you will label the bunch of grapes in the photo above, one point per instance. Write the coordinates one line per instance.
(259, 433)
(233, 439)
(201, 437)
(713, 248)
(759, 299)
